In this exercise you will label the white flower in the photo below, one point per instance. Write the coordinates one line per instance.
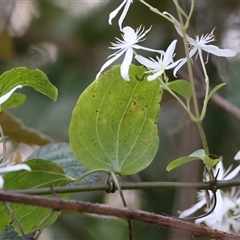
(237, 156)
(129, 42)
(163, 63)
(123, 15)
(3, 168)
(228, 202)
(12, 169)
(5, 97)
(199, 44)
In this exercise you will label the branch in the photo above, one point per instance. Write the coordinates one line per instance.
(130, 186)
(127, 213)
(227, 105)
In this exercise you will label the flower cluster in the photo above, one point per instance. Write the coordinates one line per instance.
(4, 168)
(228, 203)
(129, 43)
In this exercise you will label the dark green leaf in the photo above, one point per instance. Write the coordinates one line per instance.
(60, 153)
(9, 234)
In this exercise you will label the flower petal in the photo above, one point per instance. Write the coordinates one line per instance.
(193, 209)
(5, 97)
(217, 51)
(180, 62)
(136, 46)
(177, 26)
(109, 62)
(155, 75)
(15, 168)
(124, 13)
(220, 170)
(172, 65)
(1, 182)
(168, 56)
(237, 156)
(233, 173)
(115, 12)
(218, 211)
(146, 62)
(126, 64)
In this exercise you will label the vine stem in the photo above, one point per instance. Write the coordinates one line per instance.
(14, 217)
(129, 186)
(59, 204)
(189, 64)
(196, 117)
(91, 172)
(114, 177)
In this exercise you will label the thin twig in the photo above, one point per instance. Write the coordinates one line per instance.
(102, 209)
(14, 217)
(130, 186)
(226, 105)
(116, 182)
(4, 145)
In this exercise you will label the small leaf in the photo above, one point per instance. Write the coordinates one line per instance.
(182, 87)
(113, 125)
(27, 77)
(43, 174)
(60, 153)
(199, 154)
(180, 161)
(15, 131)
(15, 100)
(215, 89)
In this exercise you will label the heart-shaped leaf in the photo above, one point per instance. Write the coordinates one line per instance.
(113, 125)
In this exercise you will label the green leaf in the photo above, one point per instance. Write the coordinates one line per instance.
(15, 100)
(9, 234)
(199, 154)
(182, 87)
(16, 131)
(43, 174)
(215, 89)
(113, 125)
(61, 154)
(26, 77)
